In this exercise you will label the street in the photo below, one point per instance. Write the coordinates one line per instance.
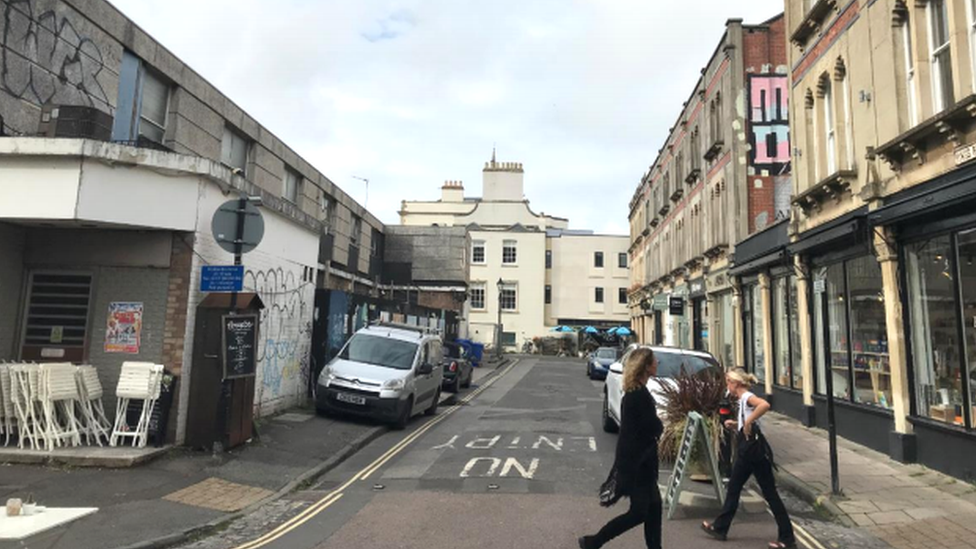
(514, 463)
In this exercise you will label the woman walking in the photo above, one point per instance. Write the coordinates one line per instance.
(753, 457)
(635, 468)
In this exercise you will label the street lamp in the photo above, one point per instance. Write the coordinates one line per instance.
(498, 327)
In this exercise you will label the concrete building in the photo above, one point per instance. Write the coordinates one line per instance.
(881, 237)
(722, 174)
(544, 268)
(115, 156)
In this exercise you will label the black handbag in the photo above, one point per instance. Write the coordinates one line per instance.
(609, 490)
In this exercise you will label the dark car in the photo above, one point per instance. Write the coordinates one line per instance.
(457, 368)
(598, 364)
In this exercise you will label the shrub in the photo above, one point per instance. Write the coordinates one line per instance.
(702, 392)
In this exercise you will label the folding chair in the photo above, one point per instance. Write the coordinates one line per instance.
(8, 419)
(137, 381)
(95, 425)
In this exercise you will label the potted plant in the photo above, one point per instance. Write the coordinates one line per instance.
(702, 392)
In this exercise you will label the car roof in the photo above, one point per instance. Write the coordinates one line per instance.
(675, 350)
(392, 332)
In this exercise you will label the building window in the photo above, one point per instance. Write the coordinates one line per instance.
(548, 294)
(548, 259)
(509, 297)
(599, 295)
(796, 348)
(509, 252)
(848, 124)
(155, 104)
(830, 132)
(942, 94)
(357, 229)
(478, 252)
(971, 13)
(622, 260)
(478, 297)
(291, 186)
(622, 296)
(143, 102)
(906, 30)
(598, 260)
(233, 150)
(325, 206)
(781, 332)
(375, 239)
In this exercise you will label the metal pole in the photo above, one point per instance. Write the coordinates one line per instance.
(238, 244)
(831, 422)
(498, 330)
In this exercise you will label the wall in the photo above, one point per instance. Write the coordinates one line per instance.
(11, 284)
(574, 278)
(503, 181)
(437, 254)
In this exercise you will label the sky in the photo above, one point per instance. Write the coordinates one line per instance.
(411, 93)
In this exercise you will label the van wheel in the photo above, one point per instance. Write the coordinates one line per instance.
(402, 421)
(609, 425)
(433, 406)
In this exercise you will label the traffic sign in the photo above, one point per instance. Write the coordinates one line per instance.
(222, 278)
(225, 225)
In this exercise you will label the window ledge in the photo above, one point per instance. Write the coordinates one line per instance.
(949, 125)
(509, 265)
(834, 186)
(677, 194)
(693, 176)
(715, 150)
(941, 426)
(664, 210)
(812, 22)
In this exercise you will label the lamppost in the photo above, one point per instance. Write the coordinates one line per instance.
(498, 327)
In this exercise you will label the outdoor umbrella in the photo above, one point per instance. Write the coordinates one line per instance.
(621, 331)
(561, 329)
(590, 330)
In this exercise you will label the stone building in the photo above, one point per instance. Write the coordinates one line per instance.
(722, 175)
(529, 265)
(115, 155)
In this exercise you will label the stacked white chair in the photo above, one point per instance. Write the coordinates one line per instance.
(137, 381)
(27, 407)
(57, 393)
(95, 425)
(8, 419)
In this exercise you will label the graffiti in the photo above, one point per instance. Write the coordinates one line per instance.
(769, 138)
(286, 331)
(45, 60)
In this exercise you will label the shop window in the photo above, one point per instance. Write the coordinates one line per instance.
(837, 358)
(725, 325)
(781, 332)
(967, 282)
(478, 296)
(796, 349)
(937, 360)
(754, 332)
(942, 94)
(869, 336)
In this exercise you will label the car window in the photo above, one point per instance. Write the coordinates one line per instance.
(380, 351)
(670, 364)
(606, 353)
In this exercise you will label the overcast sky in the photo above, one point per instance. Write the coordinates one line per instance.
(410, 93)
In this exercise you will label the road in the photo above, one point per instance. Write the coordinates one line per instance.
(516, 462)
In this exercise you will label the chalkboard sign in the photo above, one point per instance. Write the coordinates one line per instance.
(239, 344)
(695, 431)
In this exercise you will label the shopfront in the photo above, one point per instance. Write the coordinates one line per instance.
(936, 232)
(699, 314)
(720, 305)
(678, 309)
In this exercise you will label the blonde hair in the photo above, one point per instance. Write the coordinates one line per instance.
(637, 367)
(742, 377)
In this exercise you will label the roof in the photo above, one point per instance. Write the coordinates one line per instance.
(413, 334)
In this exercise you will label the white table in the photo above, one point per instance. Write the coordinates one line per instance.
(50, 517)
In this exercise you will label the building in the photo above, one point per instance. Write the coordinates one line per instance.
(882, 231)
(115, 155)
(722, 175)
(528, 266)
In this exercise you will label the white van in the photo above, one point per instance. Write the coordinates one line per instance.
(388, 372)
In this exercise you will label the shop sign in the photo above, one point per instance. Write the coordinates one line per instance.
(123, 332)
(696, 288)
(240, 336)
(677, 306)
(965, 153)
(222, 278)
(660, 302)
(819, 286)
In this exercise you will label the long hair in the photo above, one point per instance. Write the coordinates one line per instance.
(742, 377)
(636, 368)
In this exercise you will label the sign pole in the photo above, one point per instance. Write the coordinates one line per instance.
(238, 244)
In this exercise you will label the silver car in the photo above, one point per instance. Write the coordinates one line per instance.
(388, 372)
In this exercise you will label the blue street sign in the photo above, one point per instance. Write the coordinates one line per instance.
(222, 278)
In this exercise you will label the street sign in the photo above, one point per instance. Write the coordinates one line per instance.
(695, 431)
(222, 278)
(677, 306)
(240, 337)
(660, 302)
(225, 225)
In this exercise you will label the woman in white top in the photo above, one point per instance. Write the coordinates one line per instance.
(753, 457)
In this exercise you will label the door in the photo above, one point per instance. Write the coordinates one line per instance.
(423, 384)
(658, 328)
(56, 316)
(697, 327)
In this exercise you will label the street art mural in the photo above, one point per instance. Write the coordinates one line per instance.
(769, 136)
(286, 335)
(45, 59)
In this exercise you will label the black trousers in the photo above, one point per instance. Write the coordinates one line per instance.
(762, 468)
(645, 508)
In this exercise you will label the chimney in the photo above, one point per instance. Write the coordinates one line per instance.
(452, 191)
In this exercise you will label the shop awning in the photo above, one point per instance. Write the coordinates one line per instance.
(759, 263)
(762, 249)
(945, 191)
(847, 226)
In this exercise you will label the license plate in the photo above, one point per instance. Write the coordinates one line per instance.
(351, 399)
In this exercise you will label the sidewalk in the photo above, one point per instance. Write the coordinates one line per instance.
(907, 506)
(176, 496)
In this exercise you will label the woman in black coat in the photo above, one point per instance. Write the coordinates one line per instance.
(635, 468)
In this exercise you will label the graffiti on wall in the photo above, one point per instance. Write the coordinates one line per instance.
(286, 331)
(769, 136)
(44, 59)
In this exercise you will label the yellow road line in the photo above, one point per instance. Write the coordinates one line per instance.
(336, 494)
(806, 538)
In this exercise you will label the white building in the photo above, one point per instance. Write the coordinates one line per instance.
(550, 275)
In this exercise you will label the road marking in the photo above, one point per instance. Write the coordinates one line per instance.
(526, 473)
(805, 538)
(495, 462)
(491, 442)
(558, 445)
(507, 466)
(334, 496)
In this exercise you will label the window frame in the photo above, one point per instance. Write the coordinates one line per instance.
(910, 70)
(548, 259)
(621, 296)
(942, 99)
(476, 288)
(830, 129)
(234, 134)
(475, 245)
(599, 295)
(548, 294)
(623, 262)
(513, 258)
(508, 287)
(598, 262)
(291, 195)
(146, 73)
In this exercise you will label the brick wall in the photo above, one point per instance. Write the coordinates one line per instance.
(174, 327)
(762, 196)
(762, 46)
(439, 300)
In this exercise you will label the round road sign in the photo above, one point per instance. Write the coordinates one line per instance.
(224, 226)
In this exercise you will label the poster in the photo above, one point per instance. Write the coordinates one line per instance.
(124, 329)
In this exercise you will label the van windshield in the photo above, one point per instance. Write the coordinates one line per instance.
(380, 351)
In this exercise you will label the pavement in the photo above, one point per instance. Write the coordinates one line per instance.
(899, 505)
(185, 493)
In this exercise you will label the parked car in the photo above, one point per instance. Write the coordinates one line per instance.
(386, 372)
(458, 370)
(670, 360)
(599, 361)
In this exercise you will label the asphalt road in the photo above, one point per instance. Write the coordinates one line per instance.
(514, 463)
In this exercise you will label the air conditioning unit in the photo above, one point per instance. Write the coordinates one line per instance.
(75, 122)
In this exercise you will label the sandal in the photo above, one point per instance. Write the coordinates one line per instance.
(782, 545)
(712, 532)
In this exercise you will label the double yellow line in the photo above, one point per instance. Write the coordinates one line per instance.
(335, 495)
